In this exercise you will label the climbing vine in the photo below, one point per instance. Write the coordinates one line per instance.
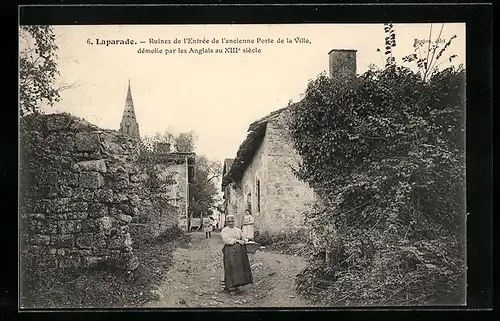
(386, 159)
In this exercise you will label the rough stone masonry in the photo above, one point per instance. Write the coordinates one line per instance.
(80, 191)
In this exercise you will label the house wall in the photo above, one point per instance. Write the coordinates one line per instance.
(256, 170)
(283, 197)
(286, 196)
(234, 196)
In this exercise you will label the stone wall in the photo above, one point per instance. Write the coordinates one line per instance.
(81, 189)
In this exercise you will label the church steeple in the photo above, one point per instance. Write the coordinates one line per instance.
(129, 125)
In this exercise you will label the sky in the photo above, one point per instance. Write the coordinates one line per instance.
(216, 95)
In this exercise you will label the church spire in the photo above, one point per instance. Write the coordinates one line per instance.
(129, 125)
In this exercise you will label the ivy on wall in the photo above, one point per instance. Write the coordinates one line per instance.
(386, 158)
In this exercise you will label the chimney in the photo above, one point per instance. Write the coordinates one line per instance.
(342, 65)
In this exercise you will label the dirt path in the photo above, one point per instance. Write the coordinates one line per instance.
(194, 279)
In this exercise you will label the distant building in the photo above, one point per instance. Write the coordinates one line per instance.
(261, 177)
(179, 165)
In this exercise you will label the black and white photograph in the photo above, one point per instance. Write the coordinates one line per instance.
(242, 166)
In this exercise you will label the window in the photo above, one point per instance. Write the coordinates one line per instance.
(257, 188)
(128, 126)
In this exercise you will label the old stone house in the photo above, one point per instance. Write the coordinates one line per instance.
(261, 176)
(179, 167)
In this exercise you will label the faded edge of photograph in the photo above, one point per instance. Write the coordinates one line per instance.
(242, 166)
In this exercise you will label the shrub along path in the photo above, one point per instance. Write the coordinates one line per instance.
(193, 281)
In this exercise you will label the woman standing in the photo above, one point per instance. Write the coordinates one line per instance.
(237, 270)
(247, 229)
(207, 227)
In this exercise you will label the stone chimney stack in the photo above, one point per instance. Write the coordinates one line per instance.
(342, 65)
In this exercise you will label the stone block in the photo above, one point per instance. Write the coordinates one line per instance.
(60, 205)
(116, 242)
(87, 142)
(105, 223)
(98, 210)
(59, 143)
(63, 240)
(122, 181)
(48, 261)
(77, 215)
(70, 262)
(78, 207)
(36, 226)
(120, 197)
(49, 178)
(68, 179)
(104, 195)
(139, 178)
(83, 194)
(89, 225)
(128, 239)
(84, 240)
(40, 239)
(91, 180)
(112, 147)
(124, 219)
(65, 191)
(70, 227)
(51, 227)
(134, 200)
(90, 261)
(36, 216)
(91, 165)
(48, 191)
(100, 243)
(113, 211)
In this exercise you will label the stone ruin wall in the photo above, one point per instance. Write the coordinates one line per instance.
(83, 198)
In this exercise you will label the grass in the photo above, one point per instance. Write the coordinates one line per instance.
(104, 286)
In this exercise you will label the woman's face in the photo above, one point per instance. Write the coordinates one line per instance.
(230, 222)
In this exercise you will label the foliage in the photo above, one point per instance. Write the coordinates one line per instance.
(37, 68)
(185, 142)
(291, 242)
(204, 189)
(427, 61)
(389, 174)
(111, 288)
(181, 143)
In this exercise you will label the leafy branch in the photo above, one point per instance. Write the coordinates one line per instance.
(427, 62)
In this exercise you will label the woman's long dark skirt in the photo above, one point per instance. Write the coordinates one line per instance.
(237, 270)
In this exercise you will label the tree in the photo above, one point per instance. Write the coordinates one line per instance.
(204, 190)
(185, 142)
(37, 68)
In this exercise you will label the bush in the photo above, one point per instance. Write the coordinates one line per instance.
(389, 173)
(292, 242)
(102, 286)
